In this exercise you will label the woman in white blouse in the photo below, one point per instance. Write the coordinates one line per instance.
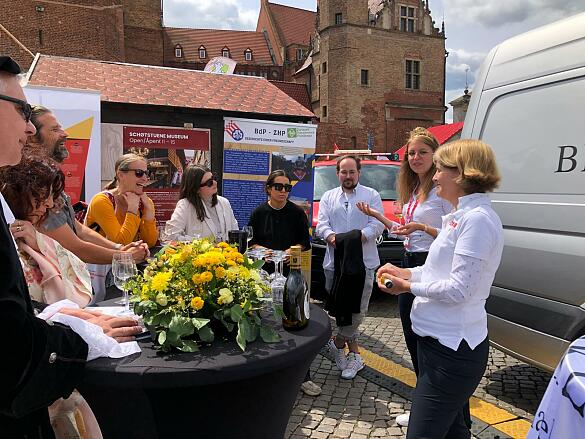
(200, 212)
(448, 314)
(422, 210)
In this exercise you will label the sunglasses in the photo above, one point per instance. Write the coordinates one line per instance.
(138, 172)
(24, 107)
(279, 187)
(209, 183)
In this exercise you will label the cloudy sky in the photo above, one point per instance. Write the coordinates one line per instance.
(473, 27)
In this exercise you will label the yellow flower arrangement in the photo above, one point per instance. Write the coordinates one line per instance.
(187, 286)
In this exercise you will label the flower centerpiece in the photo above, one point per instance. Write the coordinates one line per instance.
(190, 288)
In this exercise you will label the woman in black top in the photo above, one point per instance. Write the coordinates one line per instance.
(279, 224)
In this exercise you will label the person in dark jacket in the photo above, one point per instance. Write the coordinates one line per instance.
(42, 361)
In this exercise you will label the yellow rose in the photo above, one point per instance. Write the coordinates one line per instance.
(197, 303)
(206, 276)
(161, 299)
(196, 279)
(244, 273)
(225, 297)
(220, 272)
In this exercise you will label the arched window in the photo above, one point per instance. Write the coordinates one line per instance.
(202, 52)
(248, 54)
(225, 52)
(178, 51)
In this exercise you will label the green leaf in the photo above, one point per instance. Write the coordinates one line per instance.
(248, 330)
(258, 264)
(241, 340)
(269, 335)
(199, 323)
(206, 334)
(166, 316)
(182, 326)
(236, 313)
(229, 326)
(247, 306)
(256, 319)
(189, 346)
(162, 337)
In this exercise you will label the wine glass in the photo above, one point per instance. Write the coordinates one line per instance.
(250, 233)
(123, 268)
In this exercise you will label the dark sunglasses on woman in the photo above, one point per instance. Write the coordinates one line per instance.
(209, 182)
(279, 187)
(138, 172)
(24, 107)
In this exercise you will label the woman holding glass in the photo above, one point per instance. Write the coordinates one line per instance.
(123, 213)
(279, 224)
(422, 210)
(200, 212)
(448, 314)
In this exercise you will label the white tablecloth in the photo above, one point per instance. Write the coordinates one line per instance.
(561, 411)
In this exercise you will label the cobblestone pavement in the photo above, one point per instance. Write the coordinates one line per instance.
(360, 409)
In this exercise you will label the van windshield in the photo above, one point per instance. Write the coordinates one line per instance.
(380, 177)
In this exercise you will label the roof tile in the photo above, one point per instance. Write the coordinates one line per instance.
(296, 25)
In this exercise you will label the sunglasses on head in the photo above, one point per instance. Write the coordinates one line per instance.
(209, 183)
(279, 187)
(138, 172)
(24, 107)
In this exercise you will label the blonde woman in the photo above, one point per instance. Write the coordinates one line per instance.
(123, 213)
(448, 315)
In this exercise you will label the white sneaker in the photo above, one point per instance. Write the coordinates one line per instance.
(338, 355)
(354, 365)
(403, 419)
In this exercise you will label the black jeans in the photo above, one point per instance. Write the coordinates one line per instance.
(405, 305)
(446, 380)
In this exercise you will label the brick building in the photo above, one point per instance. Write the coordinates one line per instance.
(376, 70)
(113, 30)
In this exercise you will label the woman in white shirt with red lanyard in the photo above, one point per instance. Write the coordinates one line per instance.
(448, 314)
(422, 210)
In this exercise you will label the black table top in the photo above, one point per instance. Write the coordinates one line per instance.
(221, 362)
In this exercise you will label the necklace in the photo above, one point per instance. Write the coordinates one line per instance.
(276, 208)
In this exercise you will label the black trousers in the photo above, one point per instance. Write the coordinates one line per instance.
(446, 381)
(405, 305)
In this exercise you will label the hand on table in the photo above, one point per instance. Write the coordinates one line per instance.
(121, 329)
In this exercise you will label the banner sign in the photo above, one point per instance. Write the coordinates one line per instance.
(168, 138)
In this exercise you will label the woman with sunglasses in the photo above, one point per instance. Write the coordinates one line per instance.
(200, 212)
(279, 224)
(123, 213)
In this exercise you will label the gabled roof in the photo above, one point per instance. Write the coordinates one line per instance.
(297, 91)
(296, 25)
(151, 85)
(215, 40)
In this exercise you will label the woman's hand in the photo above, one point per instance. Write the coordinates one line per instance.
(393, 270)
(408, 228)
(25, 231)
(366, 209)
(138, 249)
(132, 202)
(399, 285)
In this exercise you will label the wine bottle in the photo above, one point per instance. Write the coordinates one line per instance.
(295, 301)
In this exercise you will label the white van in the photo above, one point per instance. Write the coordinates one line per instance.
(528, 103)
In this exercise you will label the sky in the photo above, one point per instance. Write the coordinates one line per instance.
(472, 27)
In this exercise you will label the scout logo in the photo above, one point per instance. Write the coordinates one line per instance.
(291, 133)
(234, 131)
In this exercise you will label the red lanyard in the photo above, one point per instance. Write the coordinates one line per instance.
(410, 209)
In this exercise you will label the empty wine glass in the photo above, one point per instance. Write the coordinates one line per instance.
(123, 269)
(163, 237)
(278, 257)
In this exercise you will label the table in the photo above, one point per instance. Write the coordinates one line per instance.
(561, 412)
(218, 392)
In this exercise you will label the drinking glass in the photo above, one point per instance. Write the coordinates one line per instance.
(278, 257)
(238, 237)
(250, 231)
(123, 269)
(163, 237)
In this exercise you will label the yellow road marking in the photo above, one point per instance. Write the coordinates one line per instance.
(484, 411)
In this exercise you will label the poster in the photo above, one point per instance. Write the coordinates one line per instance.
(167, 150)
(78, 112)
(253, 149)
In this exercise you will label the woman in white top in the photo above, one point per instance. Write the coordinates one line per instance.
(200, 212)
(422, 210)
(451, 288)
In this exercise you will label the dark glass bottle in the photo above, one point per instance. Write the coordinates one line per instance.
(295, 301)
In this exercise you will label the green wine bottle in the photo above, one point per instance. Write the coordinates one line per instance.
(295, 302)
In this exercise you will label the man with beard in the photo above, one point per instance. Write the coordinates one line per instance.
(60, 224)
(338, 215)
(42, 361)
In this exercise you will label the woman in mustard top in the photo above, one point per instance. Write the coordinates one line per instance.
(123, 213)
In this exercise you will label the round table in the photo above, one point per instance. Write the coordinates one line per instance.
(218, 392)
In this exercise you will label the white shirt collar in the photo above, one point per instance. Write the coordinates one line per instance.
(472, 201)
(7, 212)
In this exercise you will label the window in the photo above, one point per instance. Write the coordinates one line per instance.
(406, 19)
(202, 52)
(324, 111)
(338, 18)
(365, 77)
(324, 67)
(299, 54)
(248, 54)
(225, 52)
(178, 51)
(412, 74)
